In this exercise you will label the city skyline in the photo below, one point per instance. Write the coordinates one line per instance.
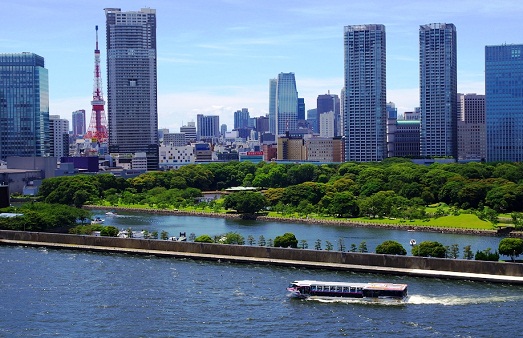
(218, 58)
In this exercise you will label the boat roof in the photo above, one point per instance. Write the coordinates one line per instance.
(368, 286)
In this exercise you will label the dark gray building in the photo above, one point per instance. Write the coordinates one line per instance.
(132, 83)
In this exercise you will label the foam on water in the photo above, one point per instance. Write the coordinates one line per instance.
(452, 300)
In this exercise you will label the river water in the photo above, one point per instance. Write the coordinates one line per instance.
(46, 292)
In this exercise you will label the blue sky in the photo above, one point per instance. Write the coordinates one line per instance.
(217, 56)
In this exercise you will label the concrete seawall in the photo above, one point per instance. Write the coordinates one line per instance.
(373, 263)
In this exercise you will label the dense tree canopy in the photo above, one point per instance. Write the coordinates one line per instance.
(286, 240)
(512, 247)
(429, 249)
(391, 248)
(392, 188)
(245, 202)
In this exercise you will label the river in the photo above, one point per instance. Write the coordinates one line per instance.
(46, 292)
(309, 232)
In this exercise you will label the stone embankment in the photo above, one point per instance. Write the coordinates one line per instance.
(501, 272)
(341, 222)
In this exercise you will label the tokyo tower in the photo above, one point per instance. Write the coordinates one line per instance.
(97, 130)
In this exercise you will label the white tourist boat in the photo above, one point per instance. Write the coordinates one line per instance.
(97, 220)
(309, 289)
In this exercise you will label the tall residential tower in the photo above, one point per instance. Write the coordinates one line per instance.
(364, 102)
(132, 83)
(438, 90)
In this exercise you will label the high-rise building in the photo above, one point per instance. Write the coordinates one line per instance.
(132, 83)
(24, 105)
(504, 102)
(328, 103)
(59, 136)
(472, 132)
(207, 128)
(190, 131)
(438, 90)
(223, 130)
(241, 118)
(272, 105)
(262, 124)
(78, 122)
(301, 109)
(327, 124)
(364, 102)
(313, 121)
(286, 103)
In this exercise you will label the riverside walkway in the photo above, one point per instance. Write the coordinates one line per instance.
(280, 262)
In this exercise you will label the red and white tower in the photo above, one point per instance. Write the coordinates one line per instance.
(97, 130)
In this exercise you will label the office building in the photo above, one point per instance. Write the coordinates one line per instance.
(24, 105)
(301, 109)
(132, 83)
(286, 103)
(313, 121)
(190, 131)
(328, 103)
(262, 124)
(504, 102)
(78, 122)
(272, 105)
(241, 118)
(364, 102)
(207, 128)
(472, 130)
(438, 90)
(327, 124)
(291, 148)
(59, 136)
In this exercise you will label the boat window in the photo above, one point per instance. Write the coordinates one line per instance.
(352, 289)
(345, 289)
(313, 287)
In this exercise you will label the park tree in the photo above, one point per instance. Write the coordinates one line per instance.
(391, 248)
(487, 255)
(232, 238)
(429, 249)
(261, 241)
(109, 231)
(363, 247)
(304, 244)
(286, 240)
(245, 202)
(467, 252)
(512, 247)
(317, 244)
(203, 239)
(343, 204)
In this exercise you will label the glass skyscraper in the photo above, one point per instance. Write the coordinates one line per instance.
(438, 90)
(78, 122)
(286, 103)
(24, 105)
(272, 105)
(364, 101)
(132, 83)
(504, 102)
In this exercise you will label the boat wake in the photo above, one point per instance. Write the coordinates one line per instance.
(460, 300)
(384, 302)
